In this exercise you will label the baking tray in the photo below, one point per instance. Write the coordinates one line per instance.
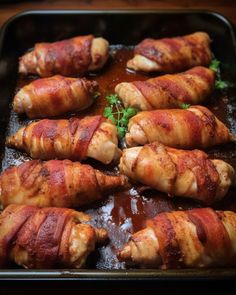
(126, 28)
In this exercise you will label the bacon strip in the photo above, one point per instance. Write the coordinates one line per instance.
(44, 248)
(71, 56)
(204, 171)
(216, 239)
(169, 248)
(85, 130)
(11, 222)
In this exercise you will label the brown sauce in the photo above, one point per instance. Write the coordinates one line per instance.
(123, 213)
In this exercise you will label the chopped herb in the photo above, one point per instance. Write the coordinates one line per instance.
(185, 105)
(215, 66)
(118, 114)
(220, 84)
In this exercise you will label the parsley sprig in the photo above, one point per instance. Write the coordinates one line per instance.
(185, 105)
(215, 66)
(118, 114)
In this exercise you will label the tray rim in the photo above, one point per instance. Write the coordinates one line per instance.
(24, 13)
(199, 274)
(120, 275)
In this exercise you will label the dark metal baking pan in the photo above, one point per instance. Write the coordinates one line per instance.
(119, 27)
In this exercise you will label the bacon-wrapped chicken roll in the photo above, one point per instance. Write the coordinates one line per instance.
(74, 139)
(54, 96)
(168, 91)
(178, 172)
(195, 238)
(68, 57)
(171, 55)
(55, 183)
(46, 238)
(195, 127)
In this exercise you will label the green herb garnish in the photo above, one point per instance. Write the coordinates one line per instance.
(221, 84)
(112, 99)
(185, 105)
(215, 66)
(118, 114)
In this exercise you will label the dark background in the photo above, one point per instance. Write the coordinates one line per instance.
(11, 7)
(118, 288)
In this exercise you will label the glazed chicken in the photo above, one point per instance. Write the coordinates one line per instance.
(45, 238)
(168, 91)
(54, 96)
(74, 139)
(182, 173)
(181, 239)
(56, 183)
(68, 57)
(171, 55)
(195, 127)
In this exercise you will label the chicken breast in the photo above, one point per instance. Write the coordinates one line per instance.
(184, 239)
(74, 139)
(54, 96)
(46, 238)
(74, 56)
(169, 91)
(171, 55)
(195, 127)
(180, 173)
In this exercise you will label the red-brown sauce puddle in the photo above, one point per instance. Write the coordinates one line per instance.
(123, 213)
